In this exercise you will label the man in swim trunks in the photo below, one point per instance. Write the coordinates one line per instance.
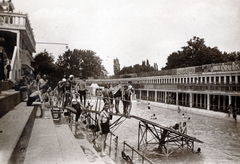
(37, 96)
(81, 88)
(103, 123)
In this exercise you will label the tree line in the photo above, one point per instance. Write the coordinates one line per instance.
(86, 64)
(196, 53)
(80, 63)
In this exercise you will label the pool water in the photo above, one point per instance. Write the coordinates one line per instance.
(221, 137)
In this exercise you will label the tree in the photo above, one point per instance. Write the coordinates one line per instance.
(148, 65)
(81, 63)
(116, 66)
(155, 66)
(232, 56)
(43, 62)
(145, 67)
(194, 54)
(137, 68)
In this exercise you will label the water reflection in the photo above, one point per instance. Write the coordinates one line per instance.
(221, 137)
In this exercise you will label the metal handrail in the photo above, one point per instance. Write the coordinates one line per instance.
(133, 150)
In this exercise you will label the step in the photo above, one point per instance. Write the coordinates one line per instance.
(93, 156)
(6, 85)
(53, 144)
(9, 99)
(71, 151)
(15, 127)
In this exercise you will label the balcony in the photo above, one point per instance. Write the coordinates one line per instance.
(15, 21)
(210, 87)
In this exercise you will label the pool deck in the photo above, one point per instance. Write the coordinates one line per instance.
(56, 143)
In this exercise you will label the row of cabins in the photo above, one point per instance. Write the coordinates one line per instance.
(209, 87)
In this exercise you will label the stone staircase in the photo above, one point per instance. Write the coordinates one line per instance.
(25, 138)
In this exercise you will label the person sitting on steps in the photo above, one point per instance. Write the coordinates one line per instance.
(37, 96)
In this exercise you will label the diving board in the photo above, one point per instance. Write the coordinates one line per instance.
(168, 140)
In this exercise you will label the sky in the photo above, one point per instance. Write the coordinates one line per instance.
(132, 30)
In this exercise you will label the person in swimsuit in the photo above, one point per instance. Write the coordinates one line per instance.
(103, 123)
(184, 128)
(37, 96)
(176, 127)
(81, 88)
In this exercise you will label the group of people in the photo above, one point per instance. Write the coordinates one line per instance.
(68, 89)
(37, 90)
(180, 127)
(67, 92)
(117, 94)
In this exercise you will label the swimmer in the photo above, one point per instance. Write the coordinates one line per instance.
(179, 109)
(149, 107)
(183, 115)
(176, 127)
(153, 117)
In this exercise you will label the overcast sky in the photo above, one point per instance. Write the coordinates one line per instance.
(132, 31)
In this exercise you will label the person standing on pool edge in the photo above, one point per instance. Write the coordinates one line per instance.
(104, 124)
(81, 87)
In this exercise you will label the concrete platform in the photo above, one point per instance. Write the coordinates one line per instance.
(53, 144)
(12, 126)
(9, 99)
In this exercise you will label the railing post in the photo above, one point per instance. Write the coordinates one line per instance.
(110, 144)
(116, 145)
(132, 152)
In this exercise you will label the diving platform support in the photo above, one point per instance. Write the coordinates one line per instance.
(167, 140)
